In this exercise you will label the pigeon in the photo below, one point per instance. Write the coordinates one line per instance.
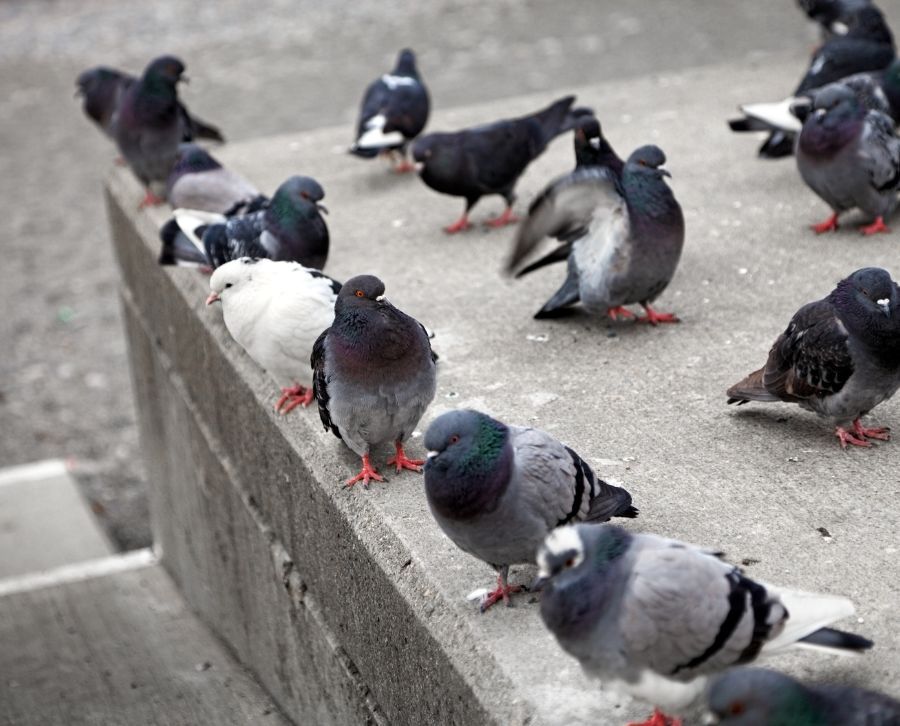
(497, 490)
(150, 124)
(289, 227)
(868, 45)
(199, 181)
(622, 237)
(850, 157)
(757, 697)
(394, 111)
(655, 617)
(373, 375)
(838, 357)
(276, 311)
(832, 15)
(489, 159)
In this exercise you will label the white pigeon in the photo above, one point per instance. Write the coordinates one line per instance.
(276, 311)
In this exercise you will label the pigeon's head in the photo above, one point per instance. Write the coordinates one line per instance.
(232, 278)
(834, 102)
(424, 147)
(869, 23)
(567, 548)
(99, 80)
(869, 291)
(406, 64)
(751, 696)
(362, 291)
(167, 68)
(648, 160)
(299, 190)
(469, 462)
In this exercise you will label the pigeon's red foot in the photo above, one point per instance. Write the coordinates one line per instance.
(401, 462)
(404, 167)
(877, 226)
(829, 225)
(882, 434)
(502, 592)
(151, 200)
(292, 397)
(459, 225)
(366, 473)
(654, 318)
(620, 313)
(658, 719)
(847, 437)
(506, 218)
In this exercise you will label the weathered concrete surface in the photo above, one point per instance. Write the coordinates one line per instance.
(44, 520)
(645, 406)
(120, 649)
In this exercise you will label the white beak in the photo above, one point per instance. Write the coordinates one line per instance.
(379, 298)
(432, 454)
(885, 305)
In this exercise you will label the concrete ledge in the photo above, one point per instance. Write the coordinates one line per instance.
(349, 606)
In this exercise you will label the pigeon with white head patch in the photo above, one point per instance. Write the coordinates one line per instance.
(655, 617)
(497, 490)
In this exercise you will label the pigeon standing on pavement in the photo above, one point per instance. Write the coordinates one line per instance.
(655, 617)
(394, 111)
(497, 490)
(373, 375)
(838, 357)
(276, 311)
(489, 159)
(850, 157)
(622, 236)
(759, 697)
(868, 45)
(199, 181)
(102, 89)
(832, 15)
(290, 227)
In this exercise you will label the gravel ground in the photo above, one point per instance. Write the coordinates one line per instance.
(257, 68)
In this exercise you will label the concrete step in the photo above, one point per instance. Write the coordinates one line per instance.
(112, 642)
(44, 520)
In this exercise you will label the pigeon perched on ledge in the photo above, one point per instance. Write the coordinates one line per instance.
(373, 375)
(838, 357)
(276, 311)
(757, 697)
(199, 181)
(622, 235)
(394, 111)
(289, 227)
(497, 490)
(850, 157)
(489, 159)
(656, 617)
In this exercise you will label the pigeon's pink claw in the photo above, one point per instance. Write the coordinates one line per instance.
(294, 396)
(654, 318)
(658, 719)
(506, 218)
(151, 200)
(401, 462)
(366, 473)
(829, 225)
(502, 592)
(877, 226)
(459, 225)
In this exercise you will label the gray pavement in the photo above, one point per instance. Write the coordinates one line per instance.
(260, 68)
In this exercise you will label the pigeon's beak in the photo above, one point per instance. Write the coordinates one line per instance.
(709, 719)
(885, 305)
(380, 298)
(184, 79)
(665, 172)
(213, 297)
(819, 113)
(79, 91)
(322, 208)
(595, 143)
(432, 454)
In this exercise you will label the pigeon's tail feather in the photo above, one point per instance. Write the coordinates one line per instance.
(609, 500)
(374, 139)
(203, 130)
(552, 119)
(560, 254)
(750, 389)
(777, 146)
(178, 249)
(740, 125)
(774, 116)
(562, 300)
(836, 641)
(575, 115)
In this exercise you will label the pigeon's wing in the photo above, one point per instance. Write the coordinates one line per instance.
(567, 209)
(236, 237)
(811, 358)
(320, 382)
(497, 154)
(841, 57)
(194, 128)
(880, 151)
(685, 612)
(407, 108)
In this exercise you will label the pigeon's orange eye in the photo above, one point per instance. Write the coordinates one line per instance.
(454, 439)
(736, 708)
(360, 293)
(570, 562)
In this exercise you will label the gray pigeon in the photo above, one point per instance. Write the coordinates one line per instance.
(497, 490)
(625, 234)
(149, 125)
(288, 227)
(394, 111)
(850, 157)
(655, 617)
(759, 697)
(839, 356)
(199, 181)
(373, 375)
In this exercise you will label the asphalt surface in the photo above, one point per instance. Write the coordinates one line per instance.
(259, 69)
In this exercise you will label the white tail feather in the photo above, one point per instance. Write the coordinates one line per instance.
(809, 612)
(375, 138)
(778, 115)
(190, 219)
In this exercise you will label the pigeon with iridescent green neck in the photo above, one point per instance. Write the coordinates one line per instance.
(759, 697)
(497, 490)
